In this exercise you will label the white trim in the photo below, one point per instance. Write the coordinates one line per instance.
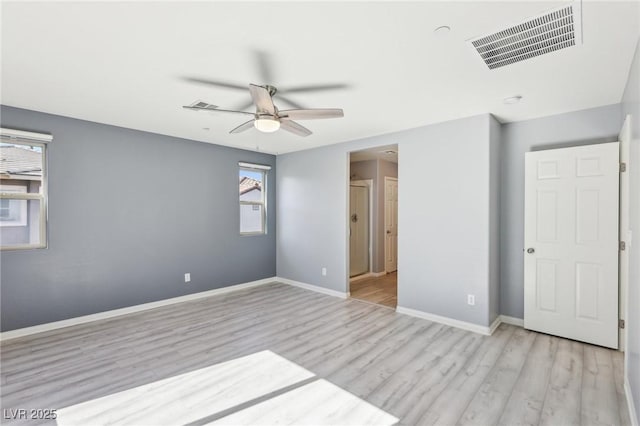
(512, 320)
(253, 166)
(633, 414)
(21, 134)
(318, 289)
(12, 334)
(367, 275)
(450, 321)
(361, 277)
(624, 260)
(496, 322)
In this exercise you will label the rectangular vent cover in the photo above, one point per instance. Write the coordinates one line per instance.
(545, 33)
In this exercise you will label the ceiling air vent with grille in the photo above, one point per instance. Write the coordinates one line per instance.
(545, 33)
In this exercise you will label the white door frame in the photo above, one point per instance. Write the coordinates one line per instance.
(369, 184)
(387, 178)
(625, 139)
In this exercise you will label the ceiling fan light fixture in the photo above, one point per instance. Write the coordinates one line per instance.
(267, 125)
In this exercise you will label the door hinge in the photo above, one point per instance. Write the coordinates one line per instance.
(623, 246)
(621, 323)
(623, 167)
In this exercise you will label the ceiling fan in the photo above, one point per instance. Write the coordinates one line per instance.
(267, 117)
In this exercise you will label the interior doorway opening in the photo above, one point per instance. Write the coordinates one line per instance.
(373, 225)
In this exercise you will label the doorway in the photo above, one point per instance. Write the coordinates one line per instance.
(372, 255)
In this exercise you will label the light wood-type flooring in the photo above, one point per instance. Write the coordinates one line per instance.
(380, 290)
(306, 345)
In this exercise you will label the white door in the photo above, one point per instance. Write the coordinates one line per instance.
(571, 243)
(390, 224)
(359, 230)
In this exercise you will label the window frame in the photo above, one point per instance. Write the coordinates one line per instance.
(23, 207)
(19, 137)
(263, 170)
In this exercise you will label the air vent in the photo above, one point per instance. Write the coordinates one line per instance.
(554, 30)
(200, 104)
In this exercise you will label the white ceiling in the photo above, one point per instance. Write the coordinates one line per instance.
(124, 63)
(377, 153)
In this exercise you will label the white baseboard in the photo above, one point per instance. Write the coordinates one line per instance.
(367, 275)
(318, 289)
(361, 277)
(633, 414)
(496, 322)
(512, 320)
(12, 334)
(450, 321)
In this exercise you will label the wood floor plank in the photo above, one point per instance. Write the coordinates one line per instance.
(487, 405)
(380, 290)
(617, 359)
(562, 404)
(451, 403)
(424, 379)
(413, 369)
(599, 400)
(525, 403)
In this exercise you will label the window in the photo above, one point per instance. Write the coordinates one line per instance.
(253, 198)
(22, 189)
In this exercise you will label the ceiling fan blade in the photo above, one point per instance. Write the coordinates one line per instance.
(244, 106)
(262, 99)
(243, 127)
(264, 66)
(218, 83)
(295, 128)
(310, 114)
(288, 101)
(209, 108)
(314, 88)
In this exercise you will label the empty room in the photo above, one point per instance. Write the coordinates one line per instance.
(320, 213)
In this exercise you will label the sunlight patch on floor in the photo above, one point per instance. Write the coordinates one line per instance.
(318, 403)
(190, 396)
(261, 388)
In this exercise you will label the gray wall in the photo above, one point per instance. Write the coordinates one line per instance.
(376, 170)
(631, 105)
(594, 125)
(436, 270)
(444, 235)
(129, 213)
(495, 174)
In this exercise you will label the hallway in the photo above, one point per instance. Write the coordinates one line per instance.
(379, 290)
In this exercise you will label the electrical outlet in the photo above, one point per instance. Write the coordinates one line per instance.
(187, 277)
(324, 272)
(471, 299)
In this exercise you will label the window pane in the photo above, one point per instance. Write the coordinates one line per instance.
(251, 218)
(250, 185)
(21, 171)
(22, 225)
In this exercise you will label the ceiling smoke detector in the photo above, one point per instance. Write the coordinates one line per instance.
(553, 30)
(512, 100)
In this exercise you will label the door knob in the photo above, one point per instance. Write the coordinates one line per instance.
(531, 250)
(388, 231)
